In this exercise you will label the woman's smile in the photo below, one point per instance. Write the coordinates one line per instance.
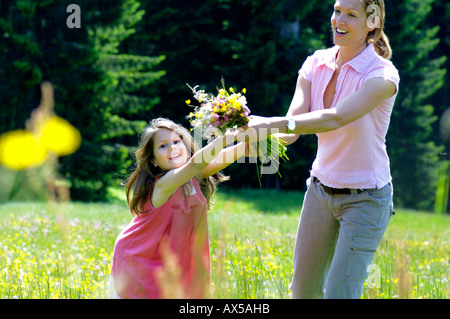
(340, 32)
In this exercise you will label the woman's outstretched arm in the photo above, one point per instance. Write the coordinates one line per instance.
(349, 109)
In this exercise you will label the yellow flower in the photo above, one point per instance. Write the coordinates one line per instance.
(20, 149)
(60, 136)
(188, 102)
(236, 105)
(244, 90)
(231, 90)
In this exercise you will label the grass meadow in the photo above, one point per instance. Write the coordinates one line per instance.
(64, 250)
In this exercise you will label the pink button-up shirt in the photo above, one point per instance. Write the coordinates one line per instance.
(353, 156)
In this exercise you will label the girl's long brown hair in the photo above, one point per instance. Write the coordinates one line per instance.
(138, 186)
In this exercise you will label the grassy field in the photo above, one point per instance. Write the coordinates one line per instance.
(65, 250)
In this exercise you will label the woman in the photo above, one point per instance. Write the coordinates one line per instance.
(345, 95)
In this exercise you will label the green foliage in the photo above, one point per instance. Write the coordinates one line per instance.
(97, 83)
(414, 155)
(440, 15)
(252, 44)
(130, 60)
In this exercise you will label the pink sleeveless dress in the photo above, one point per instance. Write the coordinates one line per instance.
(181, 223)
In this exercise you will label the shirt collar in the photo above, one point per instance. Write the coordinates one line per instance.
(360, 62)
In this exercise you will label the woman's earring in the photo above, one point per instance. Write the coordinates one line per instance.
(154, 163)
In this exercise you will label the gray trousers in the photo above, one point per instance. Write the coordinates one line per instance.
(336, 241)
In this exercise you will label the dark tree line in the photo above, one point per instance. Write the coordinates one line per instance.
(130, 60)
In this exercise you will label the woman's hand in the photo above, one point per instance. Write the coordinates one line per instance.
(258, 128)
(258, 122)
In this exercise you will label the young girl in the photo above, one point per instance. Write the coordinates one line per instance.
(171, 187)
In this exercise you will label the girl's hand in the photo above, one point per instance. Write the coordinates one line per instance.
(228, 137)
(251, 150)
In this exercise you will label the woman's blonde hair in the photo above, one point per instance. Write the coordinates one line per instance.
(142, 179)
(377, 36)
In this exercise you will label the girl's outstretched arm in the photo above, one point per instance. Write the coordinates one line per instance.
(168, 184)
(226, 157)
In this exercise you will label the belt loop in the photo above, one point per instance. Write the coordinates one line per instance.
(354, 191)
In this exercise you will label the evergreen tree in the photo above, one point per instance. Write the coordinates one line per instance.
(108, 84)
(440, 15)
(252, 44)
(414, 156)
(96, 86)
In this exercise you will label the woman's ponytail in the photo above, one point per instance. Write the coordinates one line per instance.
(377, 36)
(382, 46)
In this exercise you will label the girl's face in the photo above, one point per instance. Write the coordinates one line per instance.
(349, 23)
(169, 150)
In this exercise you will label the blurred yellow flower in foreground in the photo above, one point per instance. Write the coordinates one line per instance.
(45, 133)
(20, 149)
(60, 136)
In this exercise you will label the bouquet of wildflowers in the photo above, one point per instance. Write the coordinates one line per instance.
(229, 109)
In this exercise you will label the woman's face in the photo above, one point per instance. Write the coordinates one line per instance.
(169, 150)
(349, 23)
